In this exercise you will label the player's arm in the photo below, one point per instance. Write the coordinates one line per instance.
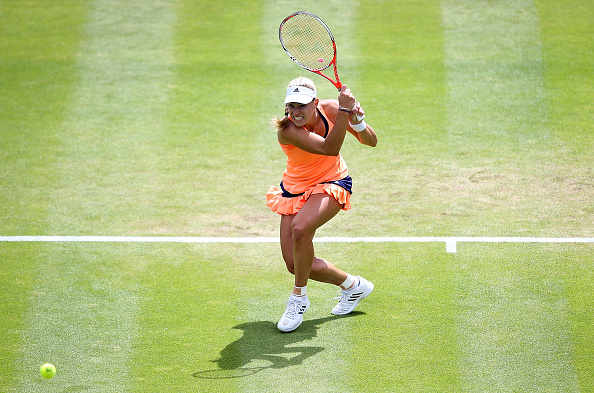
(313, 143)
(366, 135)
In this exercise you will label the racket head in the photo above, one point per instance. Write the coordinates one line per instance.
(308, 41)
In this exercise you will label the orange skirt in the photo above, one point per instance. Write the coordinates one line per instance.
(287, 206)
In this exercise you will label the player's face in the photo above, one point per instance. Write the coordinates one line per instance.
(301, 113)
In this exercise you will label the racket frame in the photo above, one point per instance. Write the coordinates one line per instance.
(336, 82)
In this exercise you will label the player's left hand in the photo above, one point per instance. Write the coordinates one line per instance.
(357, 114)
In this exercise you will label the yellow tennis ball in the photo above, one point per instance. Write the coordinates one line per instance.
(47, 371)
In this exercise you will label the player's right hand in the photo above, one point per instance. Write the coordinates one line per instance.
(346, 99)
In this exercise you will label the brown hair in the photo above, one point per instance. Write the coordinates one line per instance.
(280, 123)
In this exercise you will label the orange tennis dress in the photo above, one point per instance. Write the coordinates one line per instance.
(307, 174)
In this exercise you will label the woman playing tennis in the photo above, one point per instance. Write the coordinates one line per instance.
(315, 186)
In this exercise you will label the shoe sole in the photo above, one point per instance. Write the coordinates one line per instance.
(369, 288)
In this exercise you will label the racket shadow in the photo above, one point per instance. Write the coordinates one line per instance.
(262, 341)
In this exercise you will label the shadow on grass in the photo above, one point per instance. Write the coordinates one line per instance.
(263, 341)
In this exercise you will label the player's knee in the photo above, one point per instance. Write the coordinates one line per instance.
(300, 232)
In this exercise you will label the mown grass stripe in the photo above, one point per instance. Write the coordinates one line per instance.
(38, 46)
(513, 329)
(86, 323)
(567, 29)
(81, 319)
(514, 332)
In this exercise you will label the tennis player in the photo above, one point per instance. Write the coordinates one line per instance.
(315, 186)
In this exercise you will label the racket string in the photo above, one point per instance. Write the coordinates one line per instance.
(308, 41)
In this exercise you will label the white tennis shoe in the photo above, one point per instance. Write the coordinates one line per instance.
(350, 298)
(293, 316)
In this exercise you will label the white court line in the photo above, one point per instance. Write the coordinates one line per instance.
(451, 242)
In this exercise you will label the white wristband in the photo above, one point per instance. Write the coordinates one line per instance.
(359, 127)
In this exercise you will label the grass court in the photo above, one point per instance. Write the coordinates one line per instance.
(150, 118)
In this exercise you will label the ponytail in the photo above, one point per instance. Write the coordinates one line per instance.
(278, 123)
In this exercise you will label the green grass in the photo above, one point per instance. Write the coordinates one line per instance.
(151, 118)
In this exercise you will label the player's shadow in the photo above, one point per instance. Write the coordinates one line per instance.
(264, 342)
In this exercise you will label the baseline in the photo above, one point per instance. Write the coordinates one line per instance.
(451, 242)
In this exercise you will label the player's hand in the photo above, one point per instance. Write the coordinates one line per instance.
(346, 99)
(357, 114)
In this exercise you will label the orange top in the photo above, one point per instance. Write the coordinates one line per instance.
(305, 170)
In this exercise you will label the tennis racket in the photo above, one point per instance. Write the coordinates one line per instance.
(309, 43)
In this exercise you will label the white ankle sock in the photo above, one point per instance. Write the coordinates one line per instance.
(303, 291)
(350, 280)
